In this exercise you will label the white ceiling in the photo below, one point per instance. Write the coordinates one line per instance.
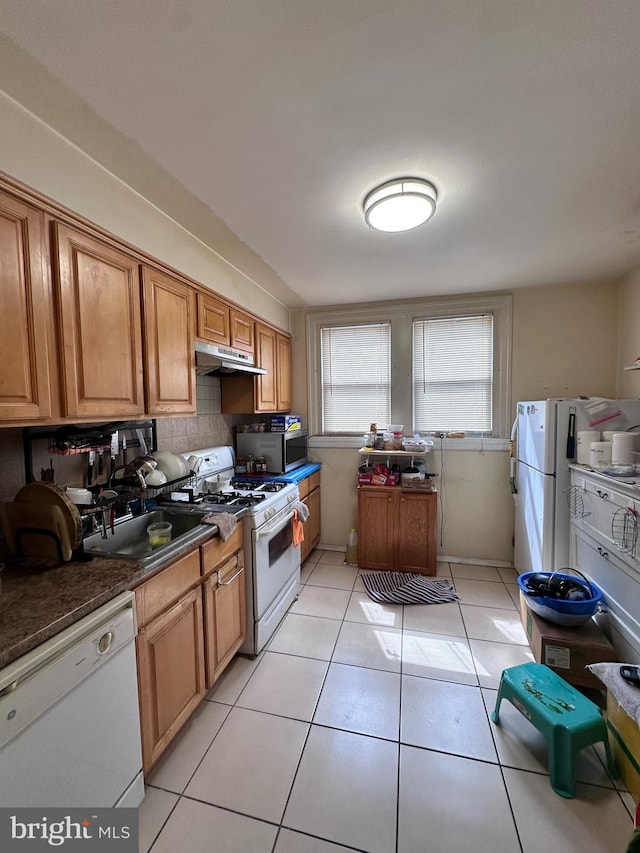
(278, 116)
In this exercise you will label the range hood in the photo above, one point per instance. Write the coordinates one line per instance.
(215, 360)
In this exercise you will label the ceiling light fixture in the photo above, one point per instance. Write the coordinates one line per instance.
(400, 205)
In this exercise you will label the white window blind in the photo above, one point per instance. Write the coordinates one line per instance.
(356, 377)
(453, 374)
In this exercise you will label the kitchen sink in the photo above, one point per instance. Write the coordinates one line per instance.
(129, 538)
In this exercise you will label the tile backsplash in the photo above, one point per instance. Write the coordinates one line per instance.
(208, 428)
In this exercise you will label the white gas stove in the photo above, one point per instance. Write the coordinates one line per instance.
(213, 487)
(272, 561)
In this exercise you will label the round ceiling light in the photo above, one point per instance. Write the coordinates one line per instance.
(400, 205)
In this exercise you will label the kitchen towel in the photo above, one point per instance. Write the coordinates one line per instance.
(301, 509)
(407, 588)
(297, 527)
(226, 523)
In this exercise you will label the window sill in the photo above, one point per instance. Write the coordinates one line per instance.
(346, 442)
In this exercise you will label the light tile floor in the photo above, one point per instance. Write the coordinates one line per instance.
(366, 727)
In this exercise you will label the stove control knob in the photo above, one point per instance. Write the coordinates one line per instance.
(269, 513)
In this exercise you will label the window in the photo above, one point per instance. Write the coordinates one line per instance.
(356, 377)
(434, 365)
(453, 374)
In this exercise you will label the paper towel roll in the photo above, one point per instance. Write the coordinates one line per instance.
(583, 445)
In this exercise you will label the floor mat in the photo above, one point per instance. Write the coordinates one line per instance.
(407, 588)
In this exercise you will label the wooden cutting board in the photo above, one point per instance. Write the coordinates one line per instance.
(51, 495)
(33, 530)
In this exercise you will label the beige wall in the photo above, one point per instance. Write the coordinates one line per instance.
(565, 343)
(39, 157)
(629, 380)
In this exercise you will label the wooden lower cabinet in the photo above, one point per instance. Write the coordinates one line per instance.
(397, 529)
(191, 622)
(171, 673)
(225, 615)
(310, 495)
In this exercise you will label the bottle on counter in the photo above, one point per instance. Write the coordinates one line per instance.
(249, 464)
(351, 556)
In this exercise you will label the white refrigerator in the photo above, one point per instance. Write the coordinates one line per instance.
(544, 453)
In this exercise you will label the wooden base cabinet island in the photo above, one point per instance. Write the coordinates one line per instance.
(397, 529)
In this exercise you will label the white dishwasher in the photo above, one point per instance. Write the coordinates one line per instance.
(69, 719)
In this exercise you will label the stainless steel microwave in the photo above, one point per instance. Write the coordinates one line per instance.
(283, 451)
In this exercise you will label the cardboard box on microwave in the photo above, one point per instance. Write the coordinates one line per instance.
(567, 651)
(624, 739)
(285, 423)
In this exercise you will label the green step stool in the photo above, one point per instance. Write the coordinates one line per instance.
(567, 719)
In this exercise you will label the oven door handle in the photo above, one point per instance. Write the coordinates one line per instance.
(275, 528)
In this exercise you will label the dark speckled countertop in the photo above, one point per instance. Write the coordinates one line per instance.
(39, 599)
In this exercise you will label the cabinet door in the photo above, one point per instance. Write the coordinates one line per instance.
(416, 533)
(305, 545)
(265, 386)
(171, 678)
(98, 291)
(376, 527)
(169, 354)
(24, 377)
(283, 373)
(312, 533)
(225, 615)
(213, 320)
(241, 326)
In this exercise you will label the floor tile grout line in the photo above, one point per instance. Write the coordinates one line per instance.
(310, 723)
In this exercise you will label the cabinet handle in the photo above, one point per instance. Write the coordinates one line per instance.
(601, 494)
(602, 553)
(231, 580)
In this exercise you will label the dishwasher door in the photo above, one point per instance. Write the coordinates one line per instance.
(69, 718)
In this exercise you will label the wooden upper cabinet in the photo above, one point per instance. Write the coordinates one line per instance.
(266, 399)
(283, 373)
(24, 373)
(214, 317)
(221, 324)
(100, 330)
(169, 355)
(242, 331)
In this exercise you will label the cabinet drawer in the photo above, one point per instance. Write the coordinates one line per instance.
(156, 594)
(303, 488)
(215, 551)
(600, 510)
(618, 577)
(314, 480)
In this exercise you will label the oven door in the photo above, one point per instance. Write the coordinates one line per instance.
(275, 559)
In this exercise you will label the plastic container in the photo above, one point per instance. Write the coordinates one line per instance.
(623, 445)
(351, 556)
(600, 454)
(159, 533)
(559, 610)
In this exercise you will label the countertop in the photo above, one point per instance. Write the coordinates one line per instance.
(628, 485)
(295, 476)
(40, 598)
(298, 474)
